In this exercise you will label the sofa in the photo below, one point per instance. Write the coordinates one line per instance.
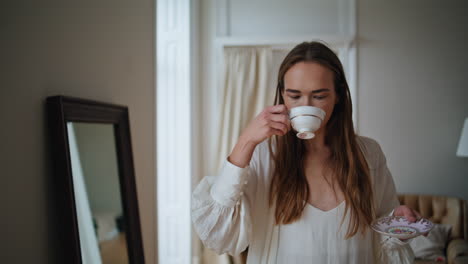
(446, 211)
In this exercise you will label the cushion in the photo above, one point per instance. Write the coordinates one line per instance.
(432, 246)
(106, 225)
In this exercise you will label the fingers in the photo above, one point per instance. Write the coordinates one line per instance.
(276, 132)
(409, 214)
(280, 118)
(418, 215)
(278, 109)
(273, 120)
(279, 126)
(276, 119)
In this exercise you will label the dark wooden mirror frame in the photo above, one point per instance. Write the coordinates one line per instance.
(60, 110)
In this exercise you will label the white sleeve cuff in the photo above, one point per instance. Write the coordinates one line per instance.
(229, 185)
(397, 241)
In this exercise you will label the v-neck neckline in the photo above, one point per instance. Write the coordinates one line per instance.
(328, 211)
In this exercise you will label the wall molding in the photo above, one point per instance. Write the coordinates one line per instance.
(173, 136)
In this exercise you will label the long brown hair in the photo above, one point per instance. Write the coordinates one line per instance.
(289, 189)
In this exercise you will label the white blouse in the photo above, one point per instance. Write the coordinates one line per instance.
(318, 237)
(230, 212)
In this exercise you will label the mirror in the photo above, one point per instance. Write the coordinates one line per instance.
(95, 181)
(97, 196)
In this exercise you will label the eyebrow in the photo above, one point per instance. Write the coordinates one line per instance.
(314, 92)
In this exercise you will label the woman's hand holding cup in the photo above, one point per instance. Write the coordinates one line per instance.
(273, 120)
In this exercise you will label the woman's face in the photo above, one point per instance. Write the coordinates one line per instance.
(309, 83)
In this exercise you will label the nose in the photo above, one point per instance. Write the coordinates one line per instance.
(306, 101)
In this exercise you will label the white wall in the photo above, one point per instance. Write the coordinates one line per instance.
(279, 17)
(101, 50)
(413, 90)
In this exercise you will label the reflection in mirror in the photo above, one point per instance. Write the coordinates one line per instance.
(101, 223)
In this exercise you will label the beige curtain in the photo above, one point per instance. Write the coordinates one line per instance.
(249, 85)
(247, 89)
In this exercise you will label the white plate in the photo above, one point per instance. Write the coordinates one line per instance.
(399, 227)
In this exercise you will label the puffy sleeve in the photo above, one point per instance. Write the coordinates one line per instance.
(221, 208)
(390, 249)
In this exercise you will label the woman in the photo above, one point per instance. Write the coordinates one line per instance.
(302, 201)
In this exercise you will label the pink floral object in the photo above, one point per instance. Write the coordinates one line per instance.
(399, 227)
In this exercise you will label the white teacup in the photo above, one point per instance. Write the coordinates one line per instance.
(306, 120)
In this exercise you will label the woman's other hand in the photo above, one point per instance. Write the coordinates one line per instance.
(273, 120)
(408, 213)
